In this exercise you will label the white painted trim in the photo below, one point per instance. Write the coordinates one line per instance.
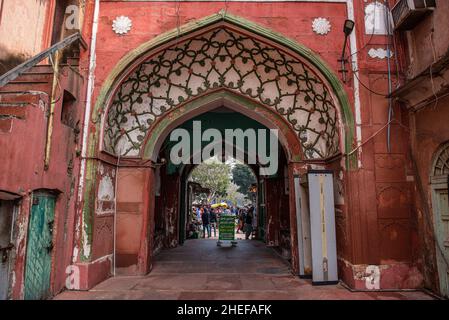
(90, 88)
(355, 68)
(87, 112)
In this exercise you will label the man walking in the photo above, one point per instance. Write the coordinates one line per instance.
(249, 223)
(213, 222)
(206, 222)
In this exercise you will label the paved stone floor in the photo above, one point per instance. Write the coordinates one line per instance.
(201, 270)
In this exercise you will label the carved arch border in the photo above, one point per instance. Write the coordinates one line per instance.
(128, 63)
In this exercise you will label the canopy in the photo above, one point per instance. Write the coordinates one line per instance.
(216, 205)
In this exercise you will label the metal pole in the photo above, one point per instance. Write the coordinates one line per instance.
(115, 211)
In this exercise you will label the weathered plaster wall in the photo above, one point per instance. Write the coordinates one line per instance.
(23, 130)
(429, 132)
(153, 18)
(23, 27)
(428, 41)
(377, 225)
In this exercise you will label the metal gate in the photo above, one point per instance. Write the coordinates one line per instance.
(39, 247)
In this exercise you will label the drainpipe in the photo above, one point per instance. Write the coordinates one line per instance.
(355, 70)
(55, 65)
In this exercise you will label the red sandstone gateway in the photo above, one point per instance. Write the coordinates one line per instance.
(90, 198)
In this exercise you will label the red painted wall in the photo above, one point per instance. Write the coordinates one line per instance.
(22, 145)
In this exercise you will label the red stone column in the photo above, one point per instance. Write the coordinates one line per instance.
(135, 220)
(145, 261)
(272, 204)
(171, 194)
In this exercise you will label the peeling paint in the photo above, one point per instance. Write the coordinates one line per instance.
(85, 241)
(104, 258)
(13, 279)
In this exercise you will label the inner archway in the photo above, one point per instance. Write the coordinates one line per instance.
(172, 216)
(222, 119)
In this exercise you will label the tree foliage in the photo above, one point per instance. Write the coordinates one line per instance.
(213, 175)
(234, 196)
(243, 177)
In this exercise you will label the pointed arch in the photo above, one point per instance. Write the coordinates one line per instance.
(135, 58)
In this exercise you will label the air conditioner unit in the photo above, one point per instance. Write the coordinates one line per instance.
(408, 13)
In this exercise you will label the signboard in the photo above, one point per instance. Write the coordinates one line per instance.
(322, 220)
(226, 228)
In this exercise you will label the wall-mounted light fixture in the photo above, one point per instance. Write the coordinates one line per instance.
(348, 27)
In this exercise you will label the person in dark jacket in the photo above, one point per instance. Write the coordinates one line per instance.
(241, 225)
(206, 222)
(213, 222)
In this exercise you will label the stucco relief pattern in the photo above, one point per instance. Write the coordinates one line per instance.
(223, 59)
(321, 26)
(442, 162)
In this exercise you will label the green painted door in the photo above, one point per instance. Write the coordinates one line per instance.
(39, 247)
(6, 246)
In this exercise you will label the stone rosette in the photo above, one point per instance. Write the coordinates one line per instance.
(321, 26)
(121, 25)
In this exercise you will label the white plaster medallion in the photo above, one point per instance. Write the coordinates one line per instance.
(121, 25)
(376, 19)
(321, 26)
(379, 53)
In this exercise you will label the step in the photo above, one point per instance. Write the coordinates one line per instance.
(34, 77)
(21, 98)
(26, 86)
(41, 68)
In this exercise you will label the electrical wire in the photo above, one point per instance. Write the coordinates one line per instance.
(367, 88)
(57, 74)
(423, 105)
(433, 62)
(369, 40)
(390, 87)
(374, 135)
(114, 266)
(387, 22)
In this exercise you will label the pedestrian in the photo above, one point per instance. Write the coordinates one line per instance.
(241, 220)
(249, 223)
(213, 222)
(198, 213)
(206, 222)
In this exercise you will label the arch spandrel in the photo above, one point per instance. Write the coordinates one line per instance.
(225, 58)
